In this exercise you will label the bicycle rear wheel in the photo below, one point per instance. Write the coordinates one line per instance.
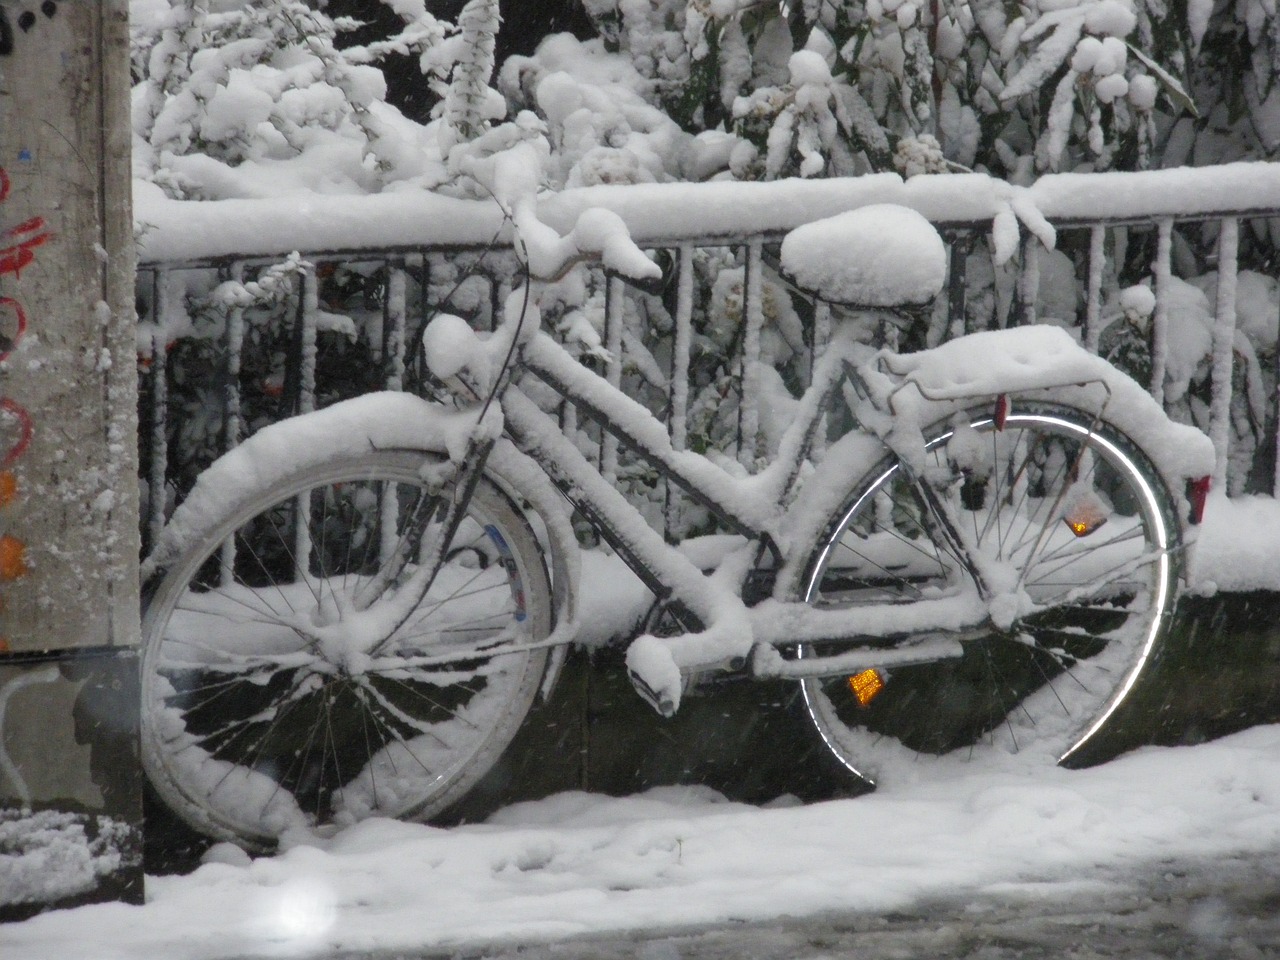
(276, 697)
(1096, 599)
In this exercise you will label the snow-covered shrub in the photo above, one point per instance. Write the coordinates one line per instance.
(237, 99)
(822, 88)
(1191, 309)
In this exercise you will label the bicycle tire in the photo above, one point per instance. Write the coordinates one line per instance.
(251, 727)
(1048, 683)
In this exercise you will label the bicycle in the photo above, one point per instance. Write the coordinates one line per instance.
(352, 612)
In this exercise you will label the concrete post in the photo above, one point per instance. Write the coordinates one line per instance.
(68, 401)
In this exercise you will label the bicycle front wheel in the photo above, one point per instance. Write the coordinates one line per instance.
(282, 689)
(1066, 509)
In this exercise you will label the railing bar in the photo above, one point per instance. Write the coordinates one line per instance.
(821, 339)
(680, 355)
(308, 305)
(234, 424)
(307, 317)
(1224, 335)
(1028, 284)
(1275, 477)
(232, 420)
(394, 311)
(1160, 319)
(612, 370)
(677, 423)
(753, 308)
(424, 317)
(955, 323)
(1093, 295)
(698, 239)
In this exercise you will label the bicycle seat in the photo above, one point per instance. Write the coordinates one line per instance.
(882, 255)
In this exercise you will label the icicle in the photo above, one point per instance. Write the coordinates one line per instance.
(159, 407)
(394, 312)
(753, 307)
(1224, 335)
(1093, 303)
(1160, 320)
(612, 371)
(232, 422)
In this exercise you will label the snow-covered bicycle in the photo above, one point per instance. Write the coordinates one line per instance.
(352, 612)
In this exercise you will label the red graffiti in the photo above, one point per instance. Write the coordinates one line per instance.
(22, 240)
(18, 252)
(29, 234)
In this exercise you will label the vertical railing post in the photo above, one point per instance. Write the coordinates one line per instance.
(1224, 335)
(678, 421)
(232, 422)
(1160, 319)
(753, 310)
(394, 311)
(308, 304)
(1028, 285)
(957, 288)
(613, 320)
(1275, 408)
(1093, 291)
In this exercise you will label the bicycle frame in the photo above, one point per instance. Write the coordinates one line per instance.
(751, 507)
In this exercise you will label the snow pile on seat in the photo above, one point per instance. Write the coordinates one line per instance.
(882, 255)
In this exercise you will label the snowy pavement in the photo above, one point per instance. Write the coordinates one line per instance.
(1204, 909)
(577, 865)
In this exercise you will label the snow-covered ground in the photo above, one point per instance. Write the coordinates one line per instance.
(577, 864)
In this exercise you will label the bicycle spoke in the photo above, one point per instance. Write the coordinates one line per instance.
(1098, 601)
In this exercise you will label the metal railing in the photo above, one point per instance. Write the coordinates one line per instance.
(235, 334)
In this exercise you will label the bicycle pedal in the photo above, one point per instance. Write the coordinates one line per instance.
(664, 705)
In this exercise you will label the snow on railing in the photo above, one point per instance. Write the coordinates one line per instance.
(374, 269)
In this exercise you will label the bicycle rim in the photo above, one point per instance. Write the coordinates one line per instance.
(272, 702)
(1095, 600)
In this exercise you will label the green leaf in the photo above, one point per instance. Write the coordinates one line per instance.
(1172, 87)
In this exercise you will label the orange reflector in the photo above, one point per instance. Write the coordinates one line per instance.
(1085, 515)
(13, 558)
(8, 487)
(866, 685)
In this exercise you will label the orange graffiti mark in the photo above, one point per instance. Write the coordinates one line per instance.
(13, 559)
(8, 487)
